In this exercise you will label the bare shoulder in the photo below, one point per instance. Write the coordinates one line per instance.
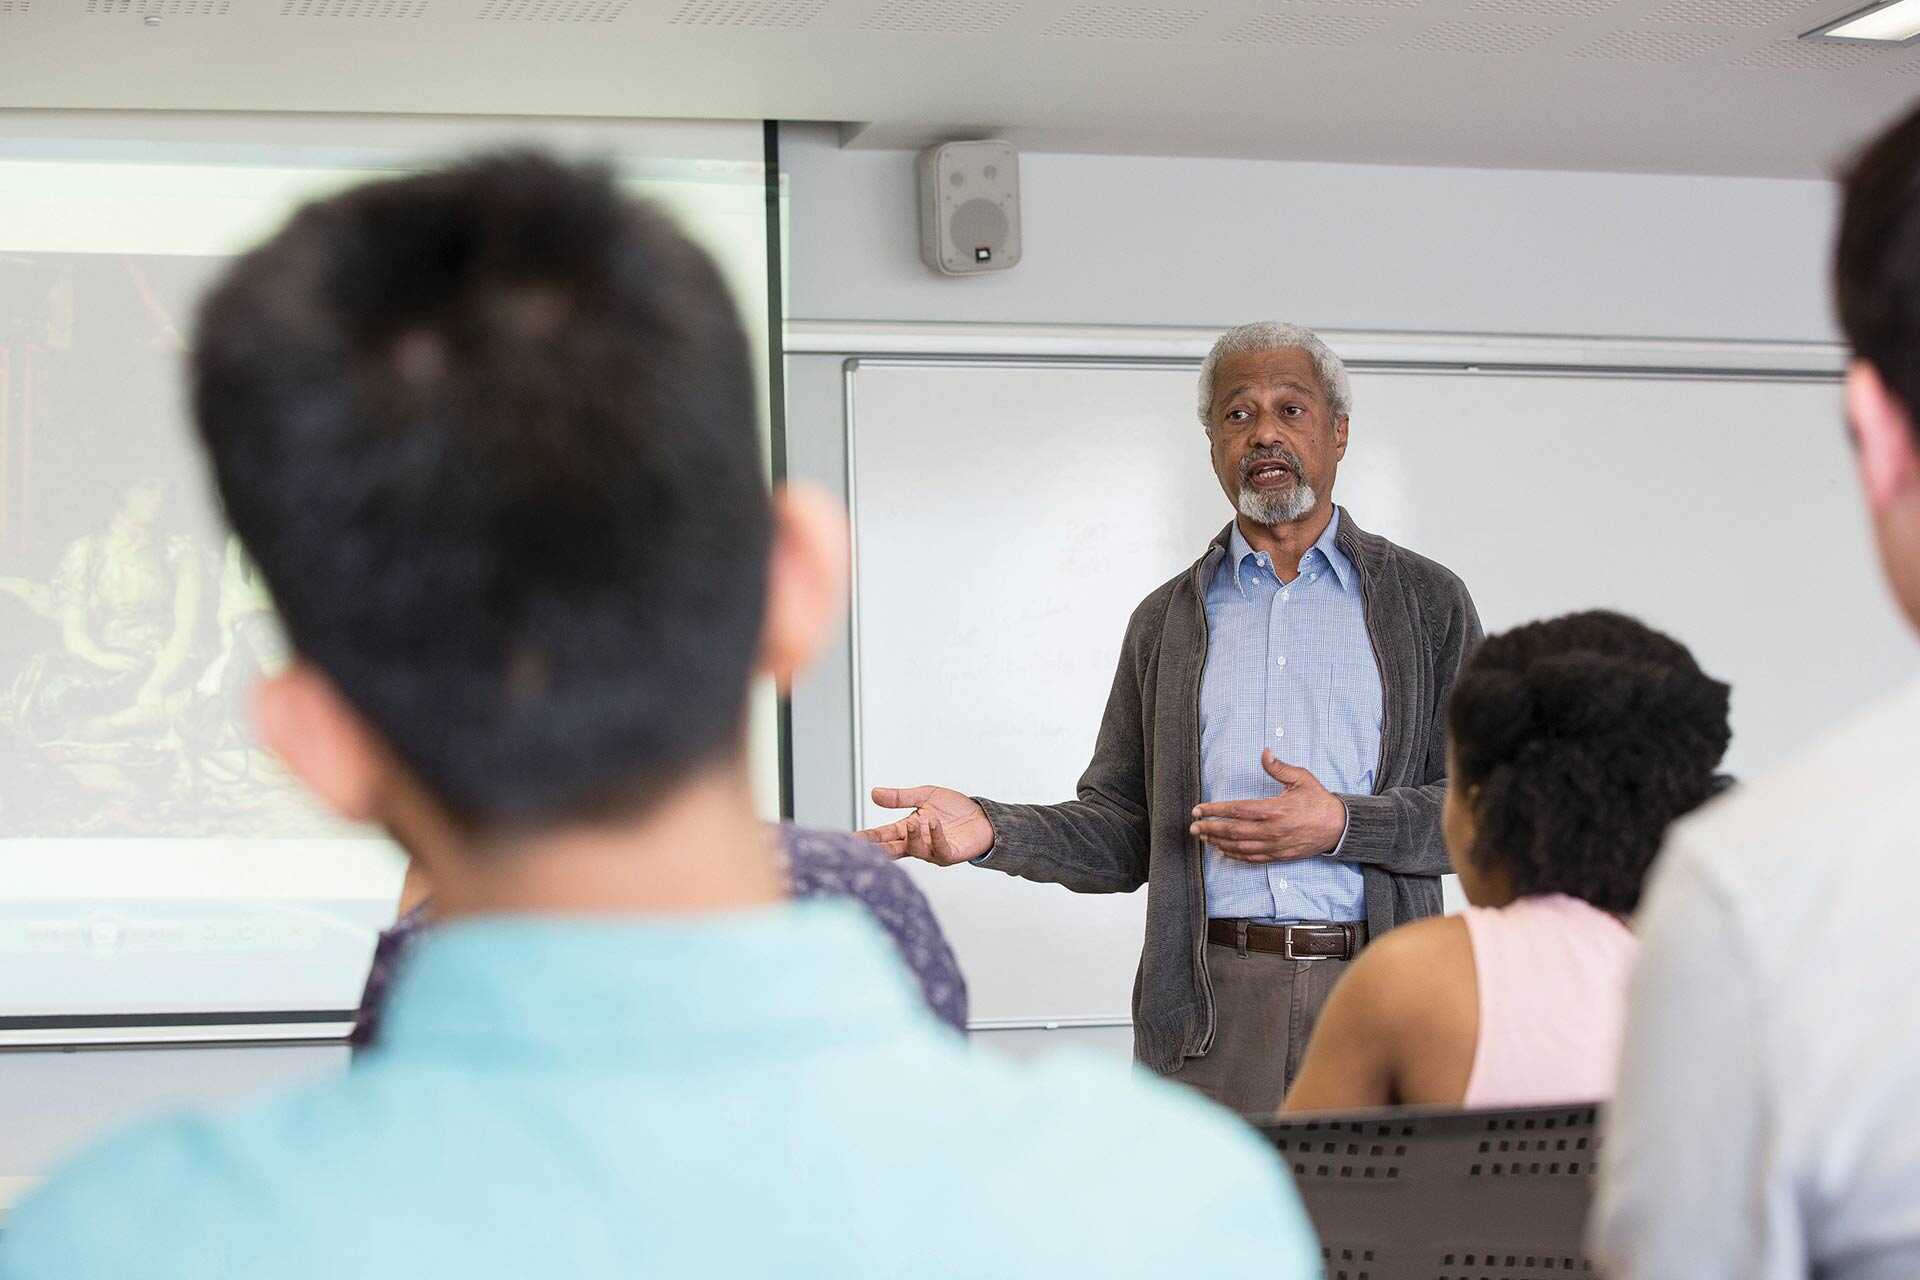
(1402, 999)
(1417, 973)
(1414, 947)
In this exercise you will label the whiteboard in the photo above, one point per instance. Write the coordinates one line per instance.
(1009, 515)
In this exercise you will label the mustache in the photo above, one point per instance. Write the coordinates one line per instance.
(1259, 457)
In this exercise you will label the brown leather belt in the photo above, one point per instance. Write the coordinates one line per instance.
(1327, 941)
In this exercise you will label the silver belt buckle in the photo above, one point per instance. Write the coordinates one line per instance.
(1287, 946)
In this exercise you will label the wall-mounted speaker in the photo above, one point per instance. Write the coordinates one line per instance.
(970, 207)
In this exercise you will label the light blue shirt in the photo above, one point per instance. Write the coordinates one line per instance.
(759, 1094)
(1289, 667)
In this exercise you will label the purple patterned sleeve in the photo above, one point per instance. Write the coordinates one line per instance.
(819, 864)
(826, 864)
(388, 953)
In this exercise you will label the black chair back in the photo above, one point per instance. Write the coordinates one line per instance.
(1446, 1195)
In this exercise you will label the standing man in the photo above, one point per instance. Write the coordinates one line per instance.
(1272, 758)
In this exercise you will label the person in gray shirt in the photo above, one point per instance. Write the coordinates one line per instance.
(1272, 758)
(1765, 1123)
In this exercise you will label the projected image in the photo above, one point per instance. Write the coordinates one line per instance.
(132, 628)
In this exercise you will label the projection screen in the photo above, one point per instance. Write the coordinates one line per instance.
(160, 876)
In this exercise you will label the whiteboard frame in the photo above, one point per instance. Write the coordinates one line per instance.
(964, 345)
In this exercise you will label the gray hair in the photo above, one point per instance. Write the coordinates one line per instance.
(1275, 335)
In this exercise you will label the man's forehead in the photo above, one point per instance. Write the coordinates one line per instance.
(1266, 370)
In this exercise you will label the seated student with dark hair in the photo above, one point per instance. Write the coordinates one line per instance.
(489, 434)
(1574, 743)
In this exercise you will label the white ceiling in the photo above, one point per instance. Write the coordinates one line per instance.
(1693, 86)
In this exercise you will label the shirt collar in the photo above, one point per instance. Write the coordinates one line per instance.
(661, 991)
(1240, 551)
(1329, 548)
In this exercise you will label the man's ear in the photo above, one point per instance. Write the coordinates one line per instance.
(806, 581)
(1883, 433)
(324, 742)
(1340, 437)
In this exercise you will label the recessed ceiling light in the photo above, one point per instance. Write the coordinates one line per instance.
(1892, 22)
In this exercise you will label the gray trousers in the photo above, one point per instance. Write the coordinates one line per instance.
(1264, 1010)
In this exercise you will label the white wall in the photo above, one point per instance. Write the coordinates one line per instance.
(1149, 241)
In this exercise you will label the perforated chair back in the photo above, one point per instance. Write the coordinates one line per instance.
(1446, 1195)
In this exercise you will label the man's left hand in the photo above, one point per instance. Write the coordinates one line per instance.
(1303, 821)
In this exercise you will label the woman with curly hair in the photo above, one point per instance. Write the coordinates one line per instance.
(1574, 743)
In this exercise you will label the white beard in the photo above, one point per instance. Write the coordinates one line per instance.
(1282, 506)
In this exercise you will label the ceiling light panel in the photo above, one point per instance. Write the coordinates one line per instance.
(1895, 23)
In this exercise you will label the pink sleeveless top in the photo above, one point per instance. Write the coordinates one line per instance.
(1553, 997)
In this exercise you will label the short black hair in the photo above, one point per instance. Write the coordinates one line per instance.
(1876, 262)
(1586, 736)
(490, 434)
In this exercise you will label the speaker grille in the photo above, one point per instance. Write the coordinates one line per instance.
(352, 8)
(1635, 45)
(1311, 30)
(1494, 39)
(978, 224)
(957, 17)
(1110, 22)
(748, 13)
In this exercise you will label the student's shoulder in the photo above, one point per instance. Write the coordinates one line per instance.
(1117, 1136)
(815, 855)
(1408, 976)
(824, 864)
(174, 1198)
(1415, 947)
(1847, 798)
(196, 1195)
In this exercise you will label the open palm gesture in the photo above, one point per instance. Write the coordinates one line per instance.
(945, 827)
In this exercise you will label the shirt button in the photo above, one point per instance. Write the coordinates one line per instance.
(1279, 732)
(1286, 595)
(1281, 661)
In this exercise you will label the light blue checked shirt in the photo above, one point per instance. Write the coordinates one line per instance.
(1289, 667)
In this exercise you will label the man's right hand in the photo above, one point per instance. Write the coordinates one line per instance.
(945, 827)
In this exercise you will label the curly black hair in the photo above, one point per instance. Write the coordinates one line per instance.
(1584, 736)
